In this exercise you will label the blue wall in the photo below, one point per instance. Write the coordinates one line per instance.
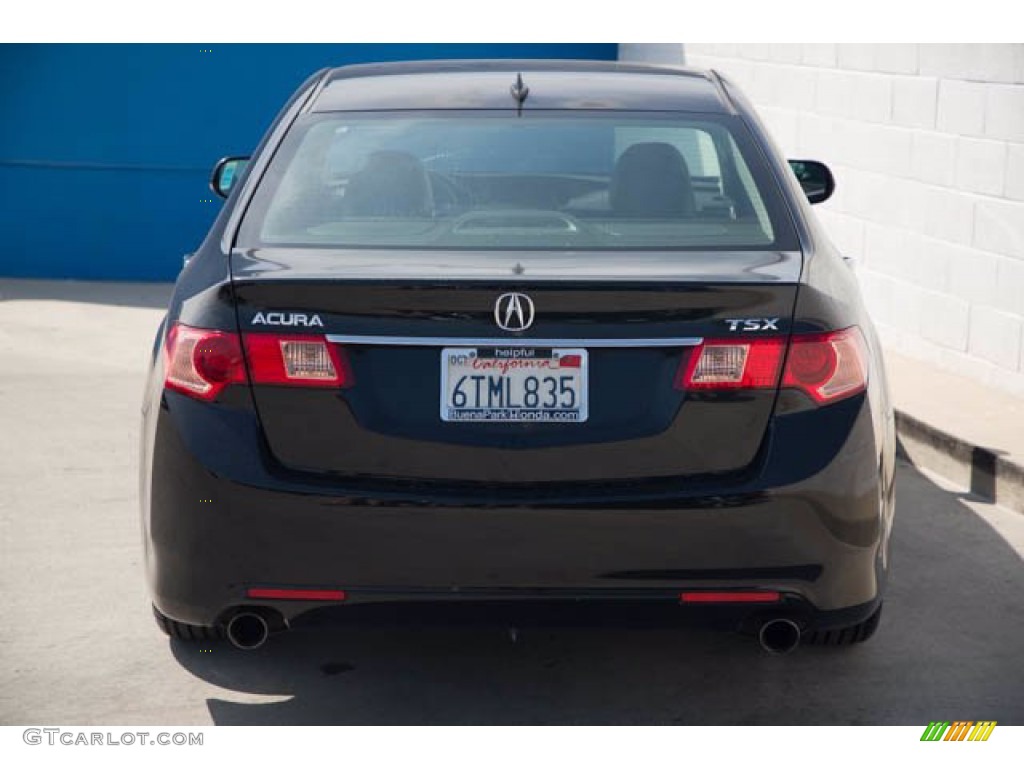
(105, 150)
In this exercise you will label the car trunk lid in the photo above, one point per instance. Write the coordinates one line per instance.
(394, 313)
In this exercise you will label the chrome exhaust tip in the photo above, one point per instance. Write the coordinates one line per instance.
(247, 631)
(779, 636)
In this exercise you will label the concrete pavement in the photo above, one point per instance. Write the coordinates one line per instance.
(968, 432)
(78, 644)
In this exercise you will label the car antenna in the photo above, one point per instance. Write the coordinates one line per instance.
(519, 92)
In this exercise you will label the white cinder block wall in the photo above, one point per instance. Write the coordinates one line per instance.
(927, 145)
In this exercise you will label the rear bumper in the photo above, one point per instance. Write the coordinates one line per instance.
(219, 517)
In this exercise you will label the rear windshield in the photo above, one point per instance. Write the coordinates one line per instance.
(498, 181)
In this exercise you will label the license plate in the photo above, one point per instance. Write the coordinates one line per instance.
(513, 384)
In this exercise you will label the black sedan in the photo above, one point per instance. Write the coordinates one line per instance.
(517, 333)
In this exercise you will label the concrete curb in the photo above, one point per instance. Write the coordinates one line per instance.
(982, 470)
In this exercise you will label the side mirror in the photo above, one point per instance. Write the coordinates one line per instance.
(226, 173)
(815, 178)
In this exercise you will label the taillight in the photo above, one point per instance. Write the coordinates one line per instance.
(826, 366)
(305, 361)
(729, 365)
(200, 362)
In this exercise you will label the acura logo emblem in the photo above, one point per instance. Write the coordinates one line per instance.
(513, 311)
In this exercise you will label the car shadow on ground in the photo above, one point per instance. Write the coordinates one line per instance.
(948, 649)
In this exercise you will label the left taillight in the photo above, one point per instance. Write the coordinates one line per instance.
(296, 361)
(201, 362)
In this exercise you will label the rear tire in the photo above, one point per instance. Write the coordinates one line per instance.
(190, 633)
(858, 633)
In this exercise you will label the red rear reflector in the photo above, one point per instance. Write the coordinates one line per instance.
(306, 361)
(200, 362)
(760, 596)
(295, 594)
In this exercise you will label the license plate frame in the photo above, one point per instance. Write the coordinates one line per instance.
(572, 363)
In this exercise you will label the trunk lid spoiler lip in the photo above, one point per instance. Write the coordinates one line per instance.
(521, 267)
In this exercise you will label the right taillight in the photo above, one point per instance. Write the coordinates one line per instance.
(827, 366)
(728, 364)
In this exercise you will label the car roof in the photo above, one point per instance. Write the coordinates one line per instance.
(486, 84)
